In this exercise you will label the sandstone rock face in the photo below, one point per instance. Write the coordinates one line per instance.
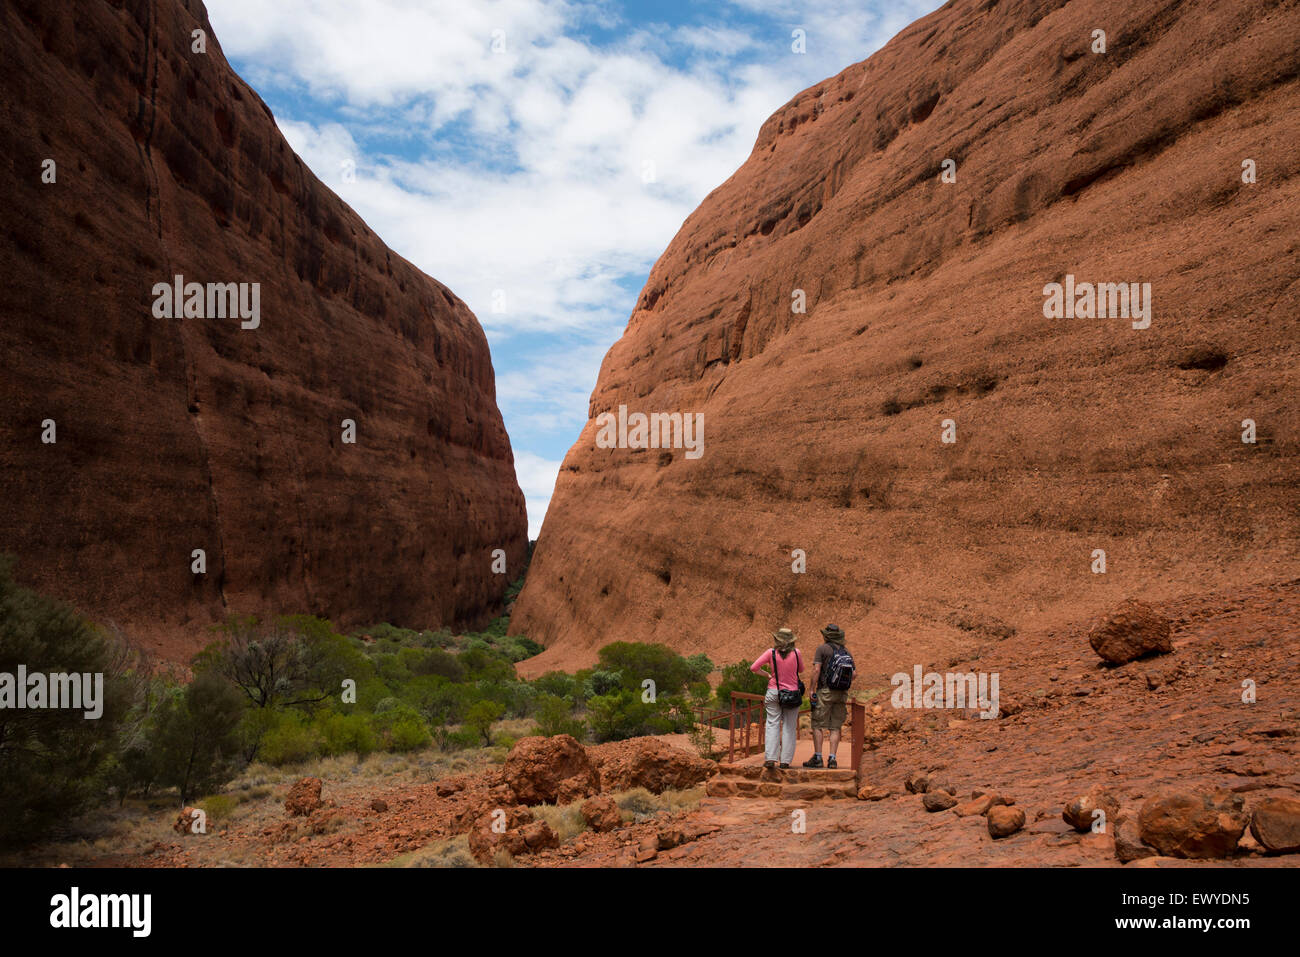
(194, 433)
(304, 797)
(648, 763)
(924, 302)
(1132, 630)
(1180, 824)
(1275, 824)
(553, 770)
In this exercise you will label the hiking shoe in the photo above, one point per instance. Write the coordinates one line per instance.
(769, 764)
(814, 762)
(784, 766)
(830, 762)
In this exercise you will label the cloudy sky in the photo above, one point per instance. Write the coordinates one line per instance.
(538, 155)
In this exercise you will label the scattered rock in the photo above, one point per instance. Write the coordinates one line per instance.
(514, 831)
(304, 797)
(680, 834)
(1127, 837)
(980, 805)
(185, 820)
(1186, 824)
(1132, 630)
(1005, 820)
(378, 806)
(1079, 812)
(1276, 825)
(648, 763)
(553, 770)
(871, 792)
(448, 788)
(917, 782)
(648, 850)
(601, 814)
(937, 800)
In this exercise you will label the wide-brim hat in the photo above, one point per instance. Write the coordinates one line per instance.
(784, 639)
(833, 633)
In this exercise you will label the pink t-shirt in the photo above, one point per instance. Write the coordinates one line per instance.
(788, 669)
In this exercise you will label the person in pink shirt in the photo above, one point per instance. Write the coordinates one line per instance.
(783, 666)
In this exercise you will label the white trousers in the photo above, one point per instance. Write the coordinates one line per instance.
(778, 741)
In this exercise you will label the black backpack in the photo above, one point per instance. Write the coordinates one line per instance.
(839, 669)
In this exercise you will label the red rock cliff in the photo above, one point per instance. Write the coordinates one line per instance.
(181, 434)
(925, 303)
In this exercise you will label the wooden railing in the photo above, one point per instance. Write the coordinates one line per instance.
(749, 711)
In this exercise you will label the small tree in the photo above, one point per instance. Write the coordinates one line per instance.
(196, 738)
(482, 715)
(52, 760)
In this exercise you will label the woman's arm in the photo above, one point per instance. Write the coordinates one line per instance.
(757, 666)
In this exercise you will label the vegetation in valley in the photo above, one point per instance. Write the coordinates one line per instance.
(295, 690)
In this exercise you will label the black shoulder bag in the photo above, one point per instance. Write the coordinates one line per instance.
(784, 697)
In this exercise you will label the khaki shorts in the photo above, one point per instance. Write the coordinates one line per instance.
(831, 709)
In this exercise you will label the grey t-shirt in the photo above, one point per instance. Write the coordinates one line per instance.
(821, 658)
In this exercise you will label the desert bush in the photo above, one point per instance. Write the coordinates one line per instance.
(481, 716)
(195, 737)
(218, 806)
(623, 714)
(738, 677)
(554, 715)
(453, 852)
(565, 820)
(290, 739)
(53, 761)
(298, 660)
(347, 733)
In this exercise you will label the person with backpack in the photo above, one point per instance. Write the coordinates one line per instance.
(784, 696)
(832, 675)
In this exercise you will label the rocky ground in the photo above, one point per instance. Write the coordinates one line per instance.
(1167, 724)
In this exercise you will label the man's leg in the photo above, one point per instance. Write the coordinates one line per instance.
(835, 741)
(817, 741)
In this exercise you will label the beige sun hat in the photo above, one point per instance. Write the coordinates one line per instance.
(784, 639)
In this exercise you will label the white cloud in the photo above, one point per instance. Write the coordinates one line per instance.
(522, 173)
(536, 477)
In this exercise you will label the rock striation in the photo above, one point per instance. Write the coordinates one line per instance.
(888, 271)
(132, 157)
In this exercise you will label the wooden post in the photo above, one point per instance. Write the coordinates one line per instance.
(859, 734)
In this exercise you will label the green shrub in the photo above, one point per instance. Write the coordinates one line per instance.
(195, 735)
(738, 677)
(347, 734)
(218, 806)
(558, 684)
(482, 715)
(623, 714)
(407, 734)
(53, 761)
(290, 740)
(555, 716)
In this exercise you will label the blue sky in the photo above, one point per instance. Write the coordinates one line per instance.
(537, 155)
